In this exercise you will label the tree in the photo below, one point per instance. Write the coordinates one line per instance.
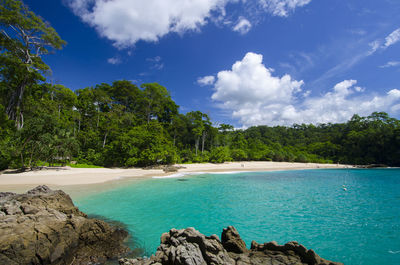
(142, 145)
(199, 123)
(6, 133)
(158, 104)
(65, 98)
(24, 38)
(220, 155)
(225, 130)
(125, 93)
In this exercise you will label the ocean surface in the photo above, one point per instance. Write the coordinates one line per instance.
(357, 226)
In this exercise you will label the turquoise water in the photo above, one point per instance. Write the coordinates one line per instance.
(357, 226)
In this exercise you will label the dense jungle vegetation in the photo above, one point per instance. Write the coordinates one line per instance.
(123, 124)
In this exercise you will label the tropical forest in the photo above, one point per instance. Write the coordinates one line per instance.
(125, 124)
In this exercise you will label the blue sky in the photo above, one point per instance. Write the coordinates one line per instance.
(242, 62)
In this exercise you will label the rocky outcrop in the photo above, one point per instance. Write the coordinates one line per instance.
(44, 227)
(190, 247)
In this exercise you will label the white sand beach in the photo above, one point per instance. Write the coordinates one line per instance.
(83, 176)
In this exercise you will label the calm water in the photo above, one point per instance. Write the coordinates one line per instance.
(357, 226)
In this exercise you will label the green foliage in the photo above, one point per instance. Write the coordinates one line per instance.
(44, 139)
(90, 157)
(142, 145)
(220, 155)
(6, 132)
(84, 166)
(24, 38)
(239, 155)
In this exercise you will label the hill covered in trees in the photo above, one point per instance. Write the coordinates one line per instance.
(123, 124)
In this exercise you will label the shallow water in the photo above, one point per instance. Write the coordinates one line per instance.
(357, 226)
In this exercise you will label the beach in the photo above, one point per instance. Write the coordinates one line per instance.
(67, 176)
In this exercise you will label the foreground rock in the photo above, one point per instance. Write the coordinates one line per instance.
(190, 247)
(44, 227)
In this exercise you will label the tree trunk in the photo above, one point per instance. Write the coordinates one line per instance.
(148, 113)
(197, 144)
(105, 138)
(15, 103)
(11, 112)
(22, 162)
(203, 139)
(20, 122)
(98, 117)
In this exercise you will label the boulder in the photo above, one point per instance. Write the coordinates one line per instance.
(44, 227)
(190, 247)
(231, 240)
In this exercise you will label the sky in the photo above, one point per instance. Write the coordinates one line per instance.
(243, 62)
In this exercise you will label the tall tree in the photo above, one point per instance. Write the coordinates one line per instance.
(24, 38)
(200, 123)
(158, 103)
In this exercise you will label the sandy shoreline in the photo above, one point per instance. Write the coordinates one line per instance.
(87, 176)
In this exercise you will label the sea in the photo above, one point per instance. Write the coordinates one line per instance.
(346, 215)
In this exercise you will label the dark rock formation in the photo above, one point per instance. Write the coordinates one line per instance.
(190, 247)
(231, 241)
(44, 227)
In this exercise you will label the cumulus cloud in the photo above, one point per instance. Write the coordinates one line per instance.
(390, 64)
(255, 96)
(243, 26)
(127, 21)
(206, 80)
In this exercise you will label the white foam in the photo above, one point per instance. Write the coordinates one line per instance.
(228, 172)
(394, 252)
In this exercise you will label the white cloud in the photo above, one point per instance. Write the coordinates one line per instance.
(390, 64)
(156, 63)
(374, 46)
(206, 80)
(254, 96)
(127, 21)
(114, 60)
(282, 7)
(154, 59)
(359, 89)
(243, 26)
(307, 93)
(393, 38)
(359, 32)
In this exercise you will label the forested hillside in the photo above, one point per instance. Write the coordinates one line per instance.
(124, 124)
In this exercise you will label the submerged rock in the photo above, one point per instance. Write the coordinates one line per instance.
(44, 227)
(190, 247)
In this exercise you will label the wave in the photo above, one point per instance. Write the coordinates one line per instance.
(394, 252)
